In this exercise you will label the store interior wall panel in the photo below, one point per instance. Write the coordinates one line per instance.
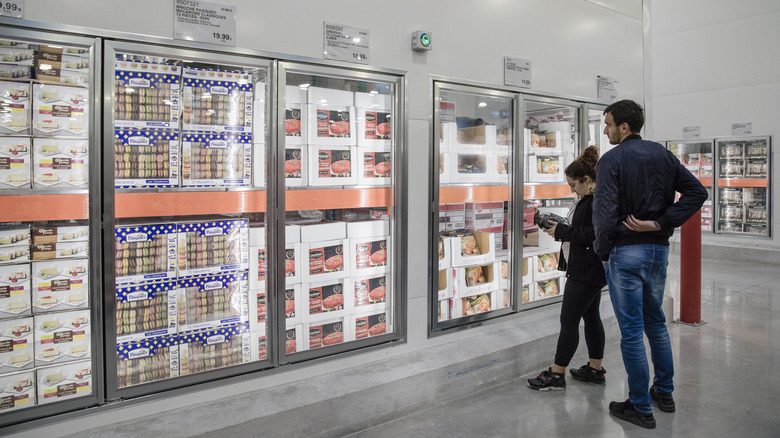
(676, 16)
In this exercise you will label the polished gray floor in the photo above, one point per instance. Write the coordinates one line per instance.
(727, 377)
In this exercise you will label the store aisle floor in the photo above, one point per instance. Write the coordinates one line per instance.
(727, 380)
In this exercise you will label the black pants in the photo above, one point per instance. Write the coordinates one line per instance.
(580, 301)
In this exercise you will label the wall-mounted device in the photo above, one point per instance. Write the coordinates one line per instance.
(421, 40)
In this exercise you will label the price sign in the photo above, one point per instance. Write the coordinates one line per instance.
(12, 8)
(691, 132)
(742, 129)
(607, 88)
(517, 72)
(345, 43)
(204, 22)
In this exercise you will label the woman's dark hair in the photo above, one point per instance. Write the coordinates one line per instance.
(584, 165)
(627, 111)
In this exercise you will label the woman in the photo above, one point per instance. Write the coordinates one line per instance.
(584, 281)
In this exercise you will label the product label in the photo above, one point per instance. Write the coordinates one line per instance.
(333, 123)
(326, 259)
(370, 291)
(371, 325)
(334, 164)
(292, 163)
(378, 125)
(261, 307)
(328, 298)
(371, 254)
(326, 334)
(289, 303)
(292, 122)
(376, 164)
(289, 263)
(261, 268)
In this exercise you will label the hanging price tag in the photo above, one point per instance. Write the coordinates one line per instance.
(738, 129)
(691, 132)
(12, 8)
(345, 43)
(517, 72)
(204, 22)
(607, 88)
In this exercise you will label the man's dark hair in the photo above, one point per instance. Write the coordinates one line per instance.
(627, 111)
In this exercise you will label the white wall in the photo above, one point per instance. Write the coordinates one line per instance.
(714, 63)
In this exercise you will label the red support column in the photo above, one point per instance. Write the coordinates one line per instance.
(690, 270)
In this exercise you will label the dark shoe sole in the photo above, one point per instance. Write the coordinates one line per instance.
(546, 388)
(586, 380)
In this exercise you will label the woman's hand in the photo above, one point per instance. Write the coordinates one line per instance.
(551, 231)
(640, 226)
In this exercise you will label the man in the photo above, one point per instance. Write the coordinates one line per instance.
(634, 214)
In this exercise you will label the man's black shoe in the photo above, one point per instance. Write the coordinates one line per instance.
(664, 400)
(625, 411)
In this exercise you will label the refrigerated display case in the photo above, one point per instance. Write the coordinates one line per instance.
(743, 182)
(50, 271)
(697, 157)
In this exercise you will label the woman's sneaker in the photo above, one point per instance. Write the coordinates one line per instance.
(586, 373)
(548, 381)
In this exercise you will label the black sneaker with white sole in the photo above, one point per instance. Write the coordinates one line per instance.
(548, 381)
(664, 400)
(586, 373)
(625, 411)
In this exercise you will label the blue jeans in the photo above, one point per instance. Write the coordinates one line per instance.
(636, 275)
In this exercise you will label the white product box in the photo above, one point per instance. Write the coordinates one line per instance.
(368, 294)
(333, 166)
(545, 266)
(157, 241)
(15, 162)
(292, 234)
(543, 142)
(292, 265)
(374, 166)
(501, 299)
(198, 241)
(483, 215)
(60, 285)
(79, 233)
(60, 382)
(445, 164)
(469, 167)
(161, 82)
(296, 122)
(259, 344)
(445, 252)
(545, 168)
(258, 165)
(14, 254)
(527, 270)
(331, 124)
(500, 166)
(527, 293)
(295, 304)
(60, 163)
(217, 100)
(318, 232)
(370, 255)
(374, 119)
(62, 337)
(547, 288)
(503, 274)
(60, 250)
(295, 339)
(444, 310)
(472, 139)
(259, 131)
(17, 349)
(484, 241)
(14, 236)
(17, 391)
(147, 360)
(471, 305)
(368, 325)
(466, 280)
(157, 305)
(327, 260)
(16, 105)
(562, 133)
(445, 284)
(326, 333)
(296, 166)
(325, 300)
(257, 304)
(205, 350)
(216, 159)
(59, 110)
(329, 96)
(227, 306)
(14, 291)
(146, 158)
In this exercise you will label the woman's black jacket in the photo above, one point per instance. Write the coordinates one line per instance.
(583, 263)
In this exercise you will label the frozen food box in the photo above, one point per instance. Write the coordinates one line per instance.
(62, 65)
(257, 304)
(15, 107)
(294, 339)
(14, 254)
(147, 95)
(14, 291)
(60, 250)
(257, 264)
(327, 260)
(296, 166)
(17, 350)
(475, 280)
(443, 310)
(146, 158)
(324, 300)
(14, 236)
(326, 230)
(64, 381)
(219, 246)
(546, 266)
(370, 325)
(259, 344)
(332, 165)
(17, 391)
(499, 166)
(147, 360)
(369, 293)
(60, 163)
(15, 162)
(216, 159)
(468, 167)
(374, 120)
(62, 337)
(146, 310)
(471, 305)
(145, 253)
(324, 334)
(548, 288)
(294, 304)
(445, 284)
(60, 110)
(217, 100)
(473, 248)
(210, 301)
(368, 243)
(60, 233)
(331, 125)
(375, 167)
(206, 350)
(470, 135)
(545, 168)
(295, 119)
(445, 252)
(60, 285)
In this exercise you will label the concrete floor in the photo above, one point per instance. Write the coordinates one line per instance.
(727, 380)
